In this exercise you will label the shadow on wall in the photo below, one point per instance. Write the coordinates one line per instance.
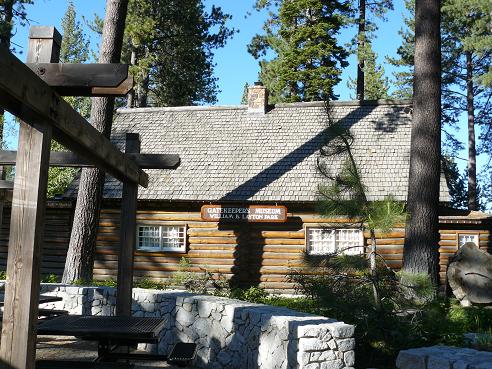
(235, 335)
(250, 247)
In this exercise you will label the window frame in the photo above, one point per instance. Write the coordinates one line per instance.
(160, 225)
(333, 227)
(467, 233)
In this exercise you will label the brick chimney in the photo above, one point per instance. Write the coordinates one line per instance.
(257, 98)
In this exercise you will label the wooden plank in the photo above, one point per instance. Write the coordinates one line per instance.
(70, 159)
(44, 44)
(80, 79)
(121, 90)
(18, 348)
(128, 236)
(23, 263)
(29, 98)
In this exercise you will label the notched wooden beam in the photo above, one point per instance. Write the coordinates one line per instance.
(85, 79)
(32, 100)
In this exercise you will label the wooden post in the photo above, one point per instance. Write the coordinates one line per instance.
(18, 344)
(128, 235)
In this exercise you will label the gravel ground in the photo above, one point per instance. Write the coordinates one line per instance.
(71, 348)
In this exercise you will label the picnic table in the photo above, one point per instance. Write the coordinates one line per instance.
(111, 332)
(114, 333)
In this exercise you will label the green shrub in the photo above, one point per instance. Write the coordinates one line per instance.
(3, 274)
(407, 317)
(149, 284)
(192, 281)
(51, 278)
(484, 341)
(252, 294)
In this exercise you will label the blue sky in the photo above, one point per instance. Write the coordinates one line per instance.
(234, 66)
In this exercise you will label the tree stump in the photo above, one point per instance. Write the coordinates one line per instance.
(470, 275)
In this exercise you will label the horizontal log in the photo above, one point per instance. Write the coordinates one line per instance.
(387, 241)
(445, 236)
(70, 159)
(32, 100)
(394, 234)
(213, 246)
(214, 240)
(212, 233)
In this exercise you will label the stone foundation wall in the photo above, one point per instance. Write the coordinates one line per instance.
(444, 357)
(229, 333)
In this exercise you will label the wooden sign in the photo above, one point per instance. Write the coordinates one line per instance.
(251, 214)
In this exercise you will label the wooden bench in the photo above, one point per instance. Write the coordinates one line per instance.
(60, 364)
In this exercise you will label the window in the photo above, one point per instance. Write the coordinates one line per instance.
(464, 238)
(161, 238)
(323, 241)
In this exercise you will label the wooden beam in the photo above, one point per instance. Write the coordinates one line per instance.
(18, 348)
(29, 98)
(128, 236)
(44, 44)
(85, 79)
(70, 159)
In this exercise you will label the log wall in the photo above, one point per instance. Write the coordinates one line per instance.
(256, 253)
(56, 239)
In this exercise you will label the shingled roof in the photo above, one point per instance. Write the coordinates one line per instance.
(230, 154)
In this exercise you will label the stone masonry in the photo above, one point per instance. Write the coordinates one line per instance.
(444, 357)
(229, 333)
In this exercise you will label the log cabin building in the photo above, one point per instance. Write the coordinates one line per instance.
(243, 201)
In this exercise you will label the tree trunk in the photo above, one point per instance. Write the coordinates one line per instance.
(143, 92)
(361, 42)
(374, 272)
(130, 101)
(472, 151)
(80, 258)
(420, 254)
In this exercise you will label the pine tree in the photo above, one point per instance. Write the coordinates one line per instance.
(479, 37)
(420, 253)
(244, 98)
(463, 67)
(376, 85)
(404, 76)
(80, 257)
(74, 49)
(365, 33)
(171, 45)
(345, 194)
(308, 59)
(10, 10)
(456, 183)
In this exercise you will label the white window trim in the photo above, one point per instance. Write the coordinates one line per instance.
(474, 234)
(335, 227)
(181, 250)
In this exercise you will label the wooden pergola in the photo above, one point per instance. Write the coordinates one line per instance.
(44, 115)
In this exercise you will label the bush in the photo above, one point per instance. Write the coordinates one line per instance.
(253, 294)
(149, 284)
(407, 316)
(192, 281)
(51, 278)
